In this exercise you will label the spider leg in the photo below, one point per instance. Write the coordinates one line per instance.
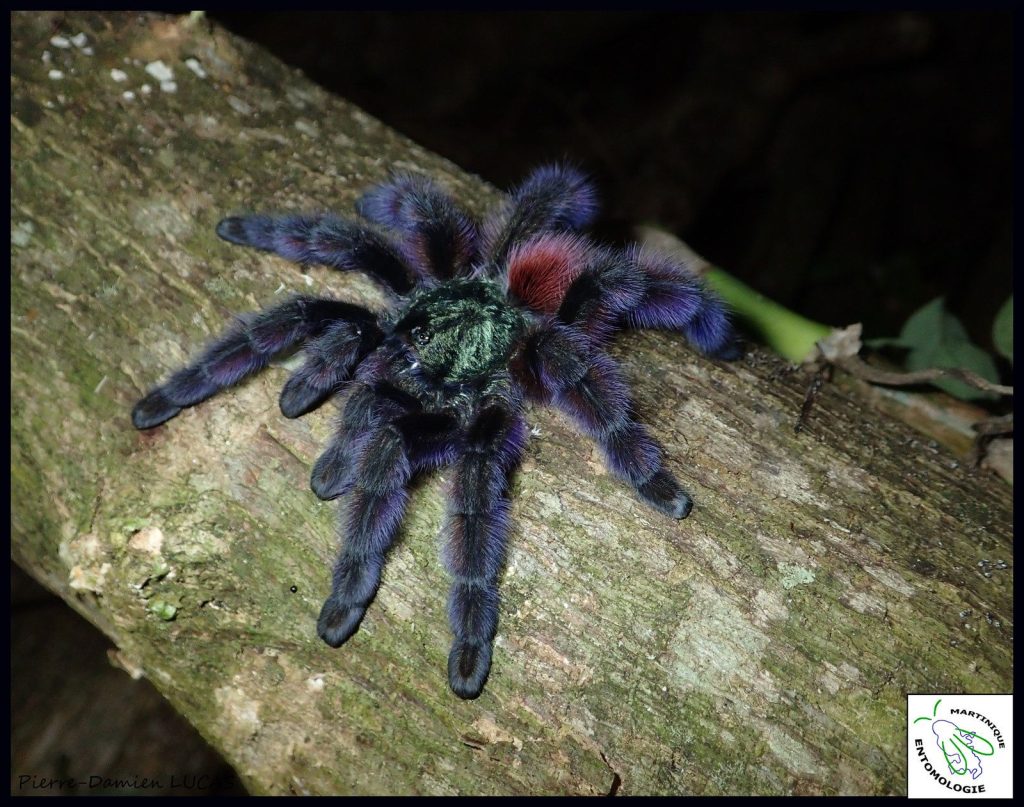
(330, 359)
(323, 238)
(553, 198)
(476, 529)
(438, 237)
(640, 289)
(586, 384)
(372, 517)
(675, 299)
(381, 469)
(241, 351)
(370, 407)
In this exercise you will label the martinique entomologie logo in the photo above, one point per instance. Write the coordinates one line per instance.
(957, 745)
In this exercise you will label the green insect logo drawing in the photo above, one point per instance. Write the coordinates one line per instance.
(955, 747)
(961, 749)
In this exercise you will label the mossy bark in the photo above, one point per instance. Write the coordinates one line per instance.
(763, 645)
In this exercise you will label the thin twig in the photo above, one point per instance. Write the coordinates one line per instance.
(994, 426)
(861, 369)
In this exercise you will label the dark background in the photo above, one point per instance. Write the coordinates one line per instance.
(850, 166)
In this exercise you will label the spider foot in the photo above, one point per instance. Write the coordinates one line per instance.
(338, 622)
(468, 666)
(233, 229)
(153, 410)
(330, 475)
(298, 397)
(730, 351)
(663, 493)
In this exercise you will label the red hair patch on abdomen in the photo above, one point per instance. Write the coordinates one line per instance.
(541, 270)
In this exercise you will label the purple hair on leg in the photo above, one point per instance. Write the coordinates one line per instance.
(474, 543)
(330, 360)
(497, 437)
(431, 439)
(438, 237)
(323, 238)
(436, 454)
(587, 385)
(551, 199)
(384, 204)
(663, 493)
(476, 529)
(372, 457)
(600, 400)
(632, 454)
(244, 349)
(567, 196)
(473, 611)
(474, 554)
(365, 427)
(554, 358)
(312, 384)
(255, 230)
(372, 519)
(332, 473)
(636, 457)
(221, 365)
(675, 299)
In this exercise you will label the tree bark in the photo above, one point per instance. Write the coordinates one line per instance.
(763, 645)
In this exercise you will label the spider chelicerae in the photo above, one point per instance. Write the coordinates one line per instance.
(484, 317)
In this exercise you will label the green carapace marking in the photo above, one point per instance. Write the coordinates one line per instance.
(463, 330)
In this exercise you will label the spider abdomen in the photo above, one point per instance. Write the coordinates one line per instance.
(541, 270)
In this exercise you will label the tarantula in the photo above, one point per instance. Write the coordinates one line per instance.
(484, 317)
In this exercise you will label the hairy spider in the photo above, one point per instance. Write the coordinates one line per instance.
(484, 317)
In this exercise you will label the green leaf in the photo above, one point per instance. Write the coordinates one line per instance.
(932, 323)
(936, 338)
(956, 354)
(885, 341)
(1002, 329)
